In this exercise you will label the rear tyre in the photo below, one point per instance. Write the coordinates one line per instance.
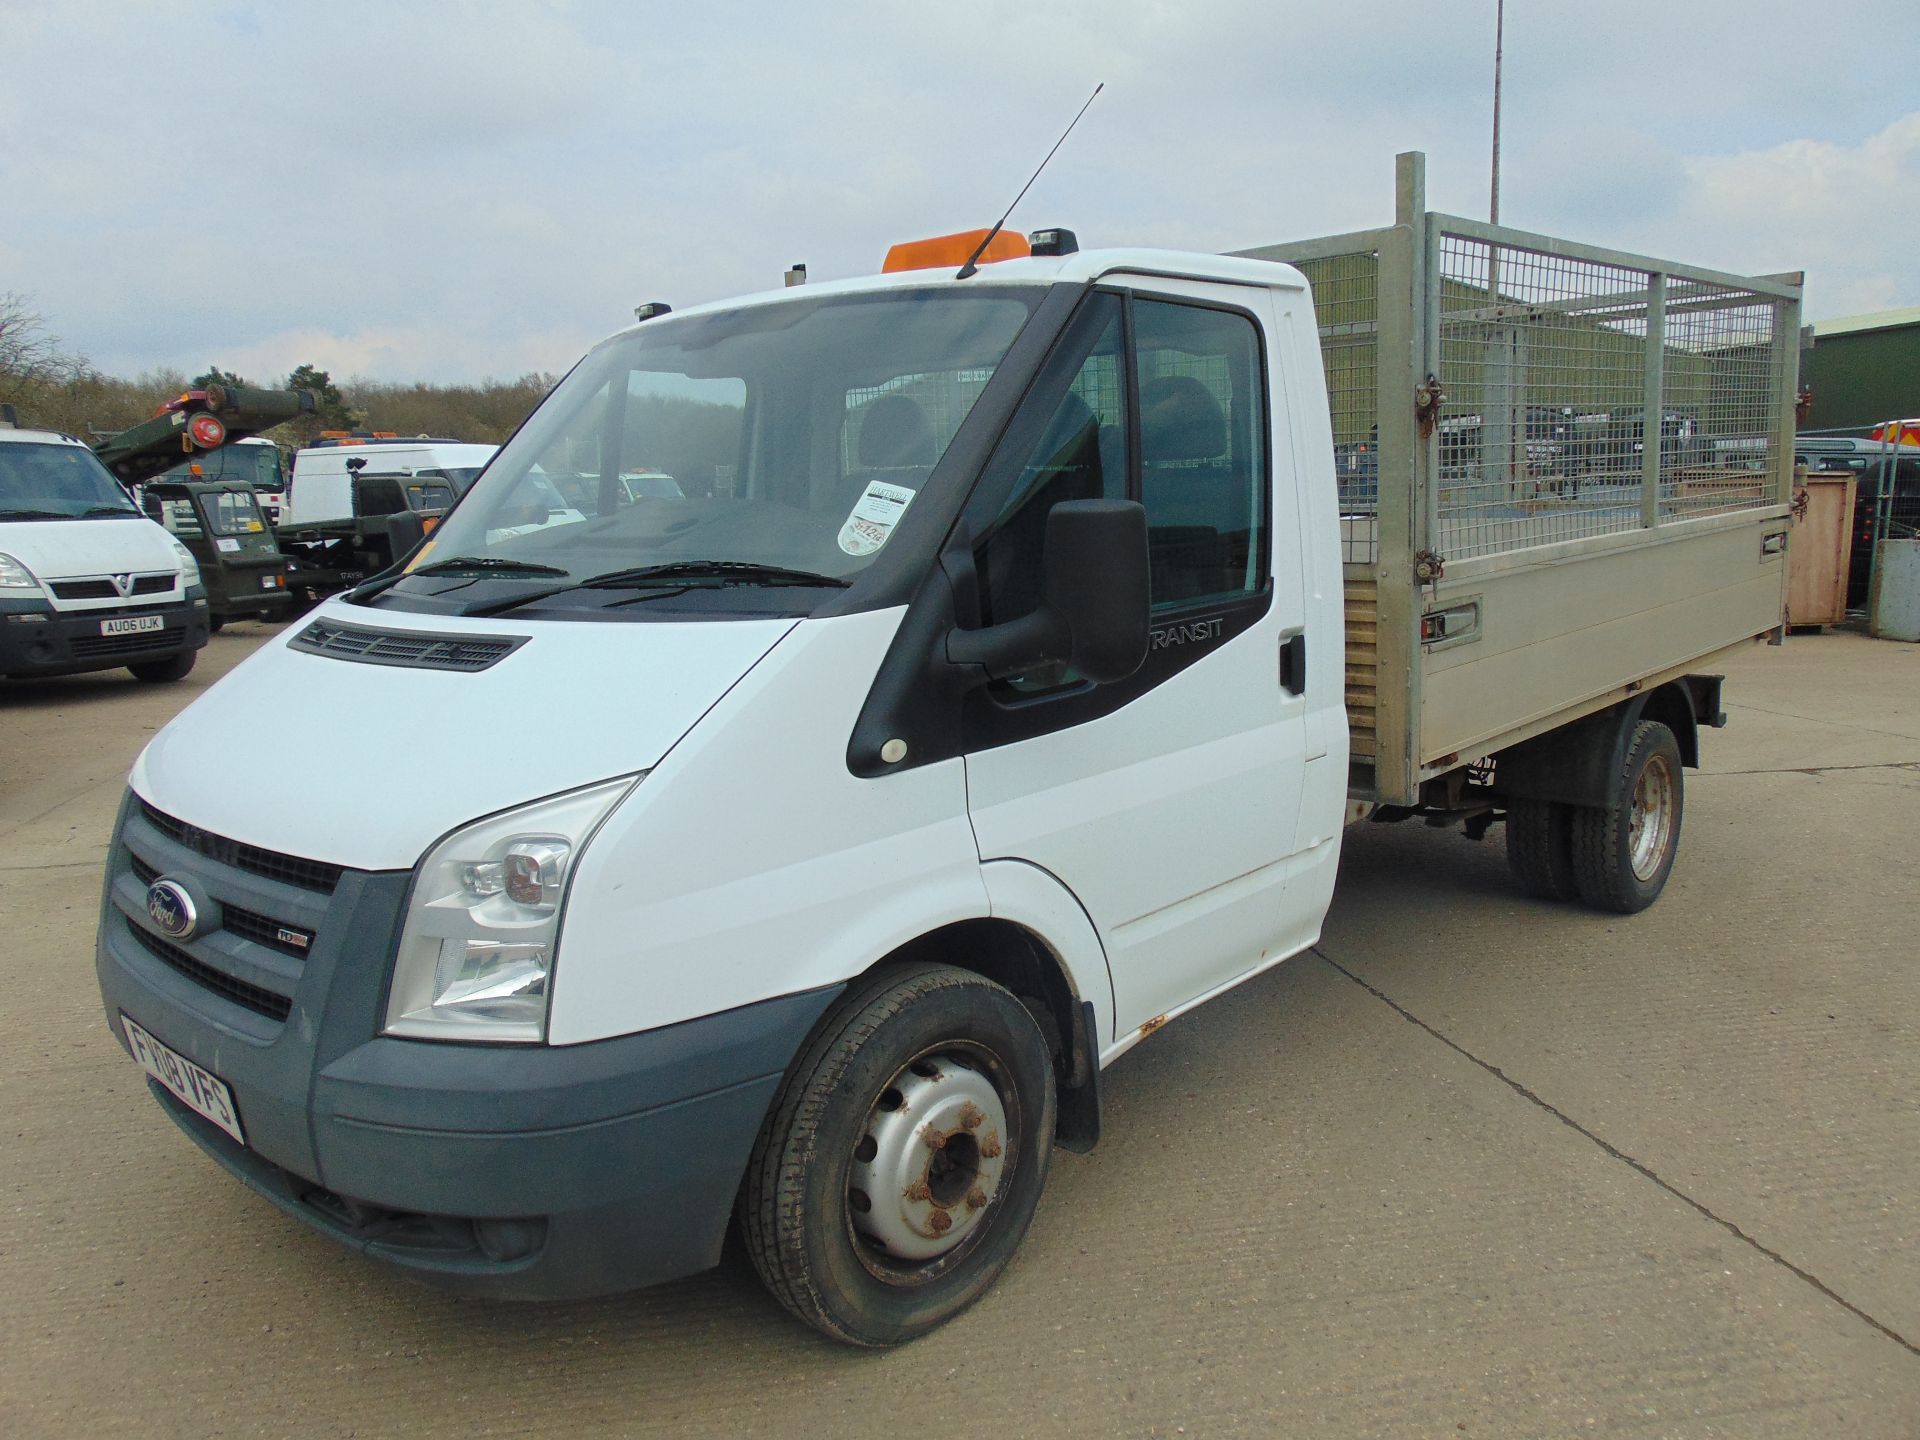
(215, 622)
(1540, 848)
(901, 1165)
(161, 672)
(1624, 850)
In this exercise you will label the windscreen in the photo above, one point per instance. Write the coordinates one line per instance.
(57, 482)
(255, 465)
(791, 435)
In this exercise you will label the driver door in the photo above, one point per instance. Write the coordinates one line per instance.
(1166, 802)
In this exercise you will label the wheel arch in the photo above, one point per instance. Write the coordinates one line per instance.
(1574, 764)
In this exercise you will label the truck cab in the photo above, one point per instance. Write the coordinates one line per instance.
(86, 581)
(978, 694)
(220, 521)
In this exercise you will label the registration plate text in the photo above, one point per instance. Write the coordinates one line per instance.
(201, 1091)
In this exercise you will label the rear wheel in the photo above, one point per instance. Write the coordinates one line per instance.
(902, 1163)
(1624, 850)
(159, 672)
(1540, 848)
(215, 622)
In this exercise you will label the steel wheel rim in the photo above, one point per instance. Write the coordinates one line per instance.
(934, 1158)
(1651, 824)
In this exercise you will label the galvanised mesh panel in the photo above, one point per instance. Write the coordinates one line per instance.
(1346, 307)
(1718, 400)
(1544, 362)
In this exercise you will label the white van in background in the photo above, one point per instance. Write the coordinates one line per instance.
(321, 487)
(86, 581)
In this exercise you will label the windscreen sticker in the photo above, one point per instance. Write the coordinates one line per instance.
(873, 517)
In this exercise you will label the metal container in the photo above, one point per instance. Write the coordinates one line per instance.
(1893, 610)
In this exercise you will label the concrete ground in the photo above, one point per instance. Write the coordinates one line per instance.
(1478, 1165)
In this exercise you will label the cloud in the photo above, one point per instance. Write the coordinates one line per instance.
(445, 190)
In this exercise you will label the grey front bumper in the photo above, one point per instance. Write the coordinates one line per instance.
(532, 1172)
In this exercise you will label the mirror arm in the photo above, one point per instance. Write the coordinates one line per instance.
(1004, 650)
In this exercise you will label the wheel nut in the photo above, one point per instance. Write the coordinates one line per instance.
(970, 1116)
(976, 1197)
(941, 1222)
(990, 1147)
(936, 1139)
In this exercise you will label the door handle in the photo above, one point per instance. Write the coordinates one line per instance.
(1293, 662)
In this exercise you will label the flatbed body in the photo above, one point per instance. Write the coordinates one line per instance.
(1516, 554)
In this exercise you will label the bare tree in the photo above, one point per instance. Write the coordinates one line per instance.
(28, 351)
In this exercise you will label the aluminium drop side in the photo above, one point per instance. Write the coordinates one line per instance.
(1596, 503)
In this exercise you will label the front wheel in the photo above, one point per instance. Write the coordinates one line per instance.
(161, 672)
(901, 1165)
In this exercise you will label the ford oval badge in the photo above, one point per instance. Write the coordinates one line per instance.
(171, 909)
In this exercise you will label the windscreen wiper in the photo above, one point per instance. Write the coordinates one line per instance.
(103, 511)
(679, 575)
(494, 564)
(37, 515)
(723, 572)
(458, 565)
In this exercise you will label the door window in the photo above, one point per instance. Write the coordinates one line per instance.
(1197, 387)
(1203, 462)
(1080, 454)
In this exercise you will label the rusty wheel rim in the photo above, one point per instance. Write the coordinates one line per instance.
(933, 1157)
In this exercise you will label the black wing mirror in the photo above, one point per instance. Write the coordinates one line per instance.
(1093, 614)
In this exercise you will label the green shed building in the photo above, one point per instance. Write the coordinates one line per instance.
(1864, 369)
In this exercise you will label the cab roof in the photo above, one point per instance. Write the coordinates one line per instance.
(9, 435)
(1083, 267)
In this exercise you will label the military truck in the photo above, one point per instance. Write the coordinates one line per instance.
(221, 523)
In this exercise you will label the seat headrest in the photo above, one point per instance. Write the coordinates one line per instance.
(1180, 420)
(894, 433)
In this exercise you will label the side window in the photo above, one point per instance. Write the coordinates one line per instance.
(1203, 460)
(1081, 454)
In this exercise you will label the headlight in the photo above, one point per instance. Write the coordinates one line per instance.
(477, 951)
(189, 567)
(15, 576)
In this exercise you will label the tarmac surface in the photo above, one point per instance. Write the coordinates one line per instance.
(1477, 1165)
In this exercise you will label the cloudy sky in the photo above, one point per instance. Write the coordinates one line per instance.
(454, 191)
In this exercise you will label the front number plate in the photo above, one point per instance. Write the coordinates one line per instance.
(199, 1090)
(133, 624)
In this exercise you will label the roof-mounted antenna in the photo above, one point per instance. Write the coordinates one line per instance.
(970, 268)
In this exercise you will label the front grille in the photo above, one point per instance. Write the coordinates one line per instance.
(251, 997)
(89, 646)
(103, 589)
(261, 929)
(289, 869)
(416, 649)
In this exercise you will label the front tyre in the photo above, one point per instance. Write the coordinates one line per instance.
(901, 1165)
(162, 672)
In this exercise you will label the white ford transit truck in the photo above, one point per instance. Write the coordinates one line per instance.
(994, 683)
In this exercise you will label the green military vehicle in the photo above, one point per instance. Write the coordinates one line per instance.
(220, 521)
